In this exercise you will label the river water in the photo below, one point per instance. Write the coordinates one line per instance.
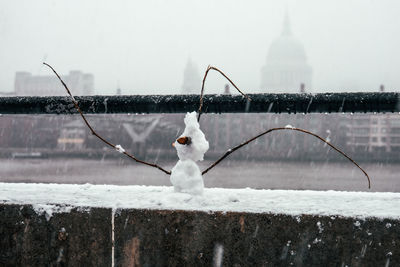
(342, 176)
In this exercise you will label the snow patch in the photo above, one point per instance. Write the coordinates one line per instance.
(49, 197)
(317, 240)
(289, 126)
(119, 148)
(320, 227)
(49, 209)
(233, 199)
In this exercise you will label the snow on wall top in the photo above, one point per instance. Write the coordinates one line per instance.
(290, 202)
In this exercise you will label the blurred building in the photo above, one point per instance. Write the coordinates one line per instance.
(367, 137)
(374, 133)
(72, 135)
(286, 67)
(78, 82)
(191, 79)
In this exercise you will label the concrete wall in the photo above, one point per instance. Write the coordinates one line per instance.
(77, 238)
(182, 238)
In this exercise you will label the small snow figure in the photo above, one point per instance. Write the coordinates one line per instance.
(191, 147)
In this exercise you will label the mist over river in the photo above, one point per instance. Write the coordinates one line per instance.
(342, 176)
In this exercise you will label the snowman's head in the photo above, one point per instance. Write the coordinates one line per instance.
(192, 144)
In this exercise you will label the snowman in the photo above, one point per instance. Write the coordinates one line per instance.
(191, 146)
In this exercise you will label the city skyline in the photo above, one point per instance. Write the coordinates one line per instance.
(144, 47)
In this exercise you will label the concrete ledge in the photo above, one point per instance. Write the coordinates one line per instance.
(81, 237)
(182, 238)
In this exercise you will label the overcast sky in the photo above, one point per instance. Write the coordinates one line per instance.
(352, 45)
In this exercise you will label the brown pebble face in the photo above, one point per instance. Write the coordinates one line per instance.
(184, 140)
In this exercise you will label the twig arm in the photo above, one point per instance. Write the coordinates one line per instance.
(204, 81)
(230, 151)
(96, 134)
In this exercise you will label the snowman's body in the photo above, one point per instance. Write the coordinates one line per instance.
(185, 175)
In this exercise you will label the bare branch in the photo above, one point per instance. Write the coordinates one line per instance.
(230, 151)
(97, 135)
(204, 81)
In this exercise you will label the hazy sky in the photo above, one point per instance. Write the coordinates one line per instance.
(351, 45)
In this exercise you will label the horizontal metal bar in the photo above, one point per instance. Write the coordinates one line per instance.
(260, 103)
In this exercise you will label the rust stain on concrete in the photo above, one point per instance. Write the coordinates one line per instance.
(132, 253)
(241, 222)
(26, 222)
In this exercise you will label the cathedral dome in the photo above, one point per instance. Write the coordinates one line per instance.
(286, 49)
(286, 69)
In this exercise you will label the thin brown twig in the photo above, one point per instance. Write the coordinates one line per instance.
(93, 131)
(204, 81)
(230, 151)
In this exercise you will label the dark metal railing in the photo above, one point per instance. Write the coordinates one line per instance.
(261, 103)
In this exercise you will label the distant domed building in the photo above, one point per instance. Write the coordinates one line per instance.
(191, 79)
(286, 67)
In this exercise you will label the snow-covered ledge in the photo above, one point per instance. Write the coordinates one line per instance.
(289, 202)
(151, 224)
